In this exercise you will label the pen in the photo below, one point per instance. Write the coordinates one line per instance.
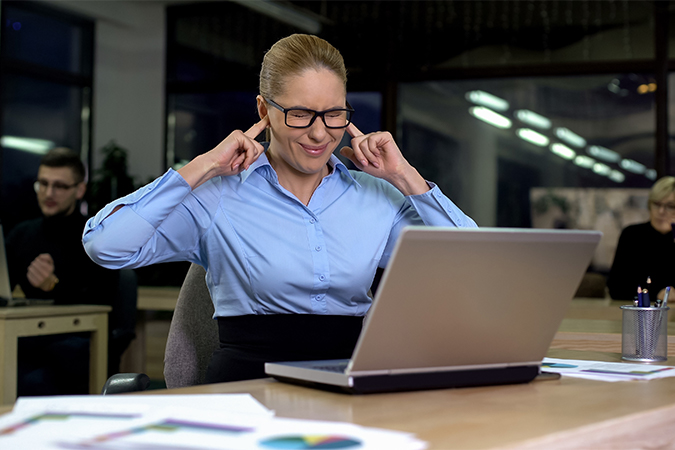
(665, 298)
(646, 301)
(639, 296)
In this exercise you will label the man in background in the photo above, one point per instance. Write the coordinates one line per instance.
(46, 258)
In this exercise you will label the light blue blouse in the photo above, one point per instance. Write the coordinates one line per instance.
(265, 252)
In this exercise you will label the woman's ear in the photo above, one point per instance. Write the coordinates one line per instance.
(262, 106)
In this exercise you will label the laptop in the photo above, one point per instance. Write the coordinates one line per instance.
(459, 307)
(6, 298)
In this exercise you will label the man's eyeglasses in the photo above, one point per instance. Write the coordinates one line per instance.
(57, 186)
(669, 207)
(304, 118)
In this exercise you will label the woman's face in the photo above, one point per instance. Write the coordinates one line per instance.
(304, 151)
(662, 213)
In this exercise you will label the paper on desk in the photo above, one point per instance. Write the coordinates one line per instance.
(37, 430)
(192, 430)
(231, 421)
(48, 422)
(233, 403)
(606, 371)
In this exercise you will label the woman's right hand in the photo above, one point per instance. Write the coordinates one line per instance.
(232, 156)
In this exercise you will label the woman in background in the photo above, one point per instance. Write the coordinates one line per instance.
(647, 250)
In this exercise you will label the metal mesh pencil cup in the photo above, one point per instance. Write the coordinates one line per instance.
(644, 334)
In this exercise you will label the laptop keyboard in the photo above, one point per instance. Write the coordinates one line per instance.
(337, 367)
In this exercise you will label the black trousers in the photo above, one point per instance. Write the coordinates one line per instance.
(248, 342)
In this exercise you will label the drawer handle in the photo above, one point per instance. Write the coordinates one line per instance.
(41, 324)
(76, 321)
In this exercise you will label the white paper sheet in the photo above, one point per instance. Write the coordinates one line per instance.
(606, 371)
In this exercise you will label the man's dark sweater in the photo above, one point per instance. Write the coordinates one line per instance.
(81, 281)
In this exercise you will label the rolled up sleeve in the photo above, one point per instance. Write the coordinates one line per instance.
(152, 226)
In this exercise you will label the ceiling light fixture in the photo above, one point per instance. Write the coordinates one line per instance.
(563, 151)
(533, 119)
(532, 137)
(584, 161)
(633, 166)
(601, 169)
(30, 145)
(486, 99)
(569, 137)
(603, 154)
(489, 116)
(617, 176)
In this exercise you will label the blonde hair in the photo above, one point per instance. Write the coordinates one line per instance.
(662, 189)
(293, 55)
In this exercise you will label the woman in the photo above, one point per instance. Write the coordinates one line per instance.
(289, 237)
(646, 250)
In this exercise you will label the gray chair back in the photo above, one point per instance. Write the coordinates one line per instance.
(193, 334)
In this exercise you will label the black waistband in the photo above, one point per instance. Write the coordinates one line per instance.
(290, 332)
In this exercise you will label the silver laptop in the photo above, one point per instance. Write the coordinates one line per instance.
(6, 298)
(459, 307)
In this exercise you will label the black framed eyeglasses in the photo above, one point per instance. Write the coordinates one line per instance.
(668, 207)
(57, 186)
(304, 118)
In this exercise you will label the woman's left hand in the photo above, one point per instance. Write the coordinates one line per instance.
(378, 155)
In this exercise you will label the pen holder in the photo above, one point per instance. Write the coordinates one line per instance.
(644, 334)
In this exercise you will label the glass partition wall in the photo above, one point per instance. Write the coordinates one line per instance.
(541, 113)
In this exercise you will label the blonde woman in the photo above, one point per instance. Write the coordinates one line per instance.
(290, 238)
(646, 250)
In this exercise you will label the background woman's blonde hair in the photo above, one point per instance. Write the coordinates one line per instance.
(293, 55)
(662, 189)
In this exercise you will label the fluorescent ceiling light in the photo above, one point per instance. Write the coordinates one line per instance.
(31, 145)
(651, 174)
(603, 154)
(563, 151)
(601, 169)
(565, 135)
(617, 176)
(487, 99)
(489, 116)
(287, 13)
(533, 119)
(633, 166)
(584, 161)
(532, 136)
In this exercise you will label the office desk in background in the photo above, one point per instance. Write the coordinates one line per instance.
(23, 321)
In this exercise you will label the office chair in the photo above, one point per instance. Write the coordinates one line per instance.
(193, 336)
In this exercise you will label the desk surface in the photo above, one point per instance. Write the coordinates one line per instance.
(568, 412)
(565, 413)
(158, 298)
(17, 312)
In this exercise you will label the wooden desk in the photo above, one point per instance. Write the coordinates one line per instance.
(566, 413)
(45, 320)
(157, 298)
